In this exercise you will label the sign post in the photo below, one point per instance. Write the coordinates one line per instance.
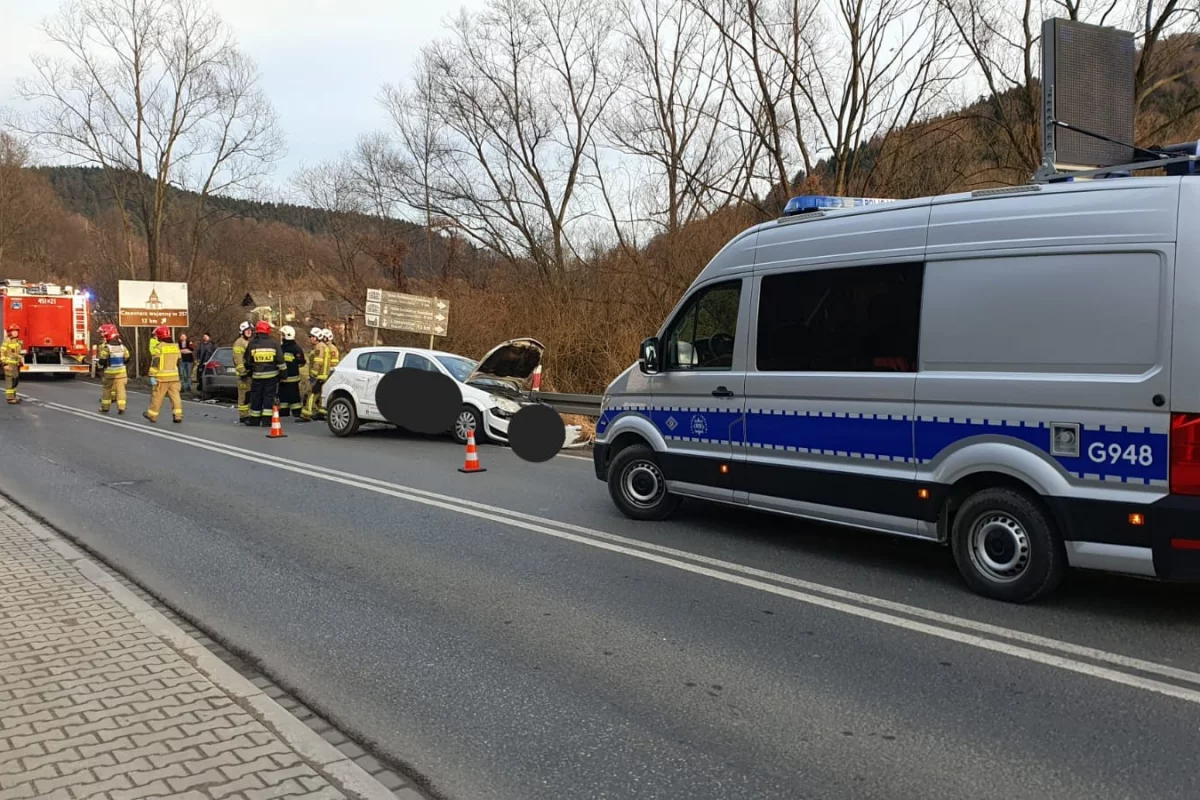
(412, 313)
(149, 304)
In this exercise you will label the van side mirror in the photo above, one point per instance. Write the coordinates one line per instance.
(648, 356)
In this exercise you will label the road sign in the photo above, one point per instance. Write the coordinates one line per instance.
(148, 304)
(413, 313)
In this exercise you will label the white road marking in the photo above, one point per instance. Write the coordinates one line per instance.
(829, 597)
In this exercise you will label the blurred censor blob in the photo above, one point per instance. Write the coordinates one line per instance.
(428, 403)
(418, 401)
(536, 433)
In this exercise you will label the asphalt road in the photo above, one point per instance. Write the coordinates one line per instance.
(509, 635)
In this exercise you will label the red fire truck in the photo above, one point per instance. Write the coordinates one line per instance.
(54, 322)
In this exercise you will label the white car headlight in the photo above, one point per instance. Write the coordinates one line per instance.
(505, 405)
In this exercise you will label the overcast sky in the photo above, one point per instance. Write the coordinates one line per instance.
(323, 61)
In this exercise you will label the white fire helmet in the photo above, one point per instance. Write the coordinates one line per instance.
(315, 332)
(288, 332)
(242, 328)
(327, 334)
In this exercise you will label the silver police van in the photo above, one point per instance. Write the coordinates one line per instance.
(1014, 372)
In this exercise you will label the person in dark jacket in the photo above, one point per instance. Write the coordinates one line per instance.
(264, 361)
(289, 387)
(205, 351)
(187, 363)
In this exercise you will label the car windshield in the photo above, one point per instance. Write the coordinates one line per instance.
(460, 368)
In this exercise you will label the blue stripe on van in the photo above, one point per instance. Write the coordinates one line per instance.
(1111, 452)
(854, 435)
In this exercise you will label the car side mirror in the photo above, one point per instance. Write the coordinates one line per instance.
(648, 356)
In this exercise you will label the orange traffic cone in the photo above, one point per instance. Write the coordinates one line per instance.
(472, 462)
(276, 425)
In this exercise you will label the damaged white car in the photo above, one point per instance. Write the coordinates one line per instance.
(493, 389)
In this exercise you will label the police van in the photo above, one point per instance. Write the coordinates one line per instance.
(1014, 372)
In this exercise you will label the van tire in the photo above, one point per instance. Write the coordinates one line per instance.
(638, 487)
(1006, 547)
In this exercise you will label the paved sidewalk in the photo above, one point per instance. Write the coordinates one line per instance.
(102, 696)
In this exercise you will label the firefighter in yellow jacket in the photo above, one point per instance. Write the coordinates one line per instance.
(164, 375)
(318, 373)
(243, 374)
(113, 357)
(10, 356)
(334, 356)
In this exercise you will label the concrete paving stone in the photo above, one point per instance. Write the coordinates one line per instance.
(245, 783)
(186, 782)
(390, 780)
(96, 702)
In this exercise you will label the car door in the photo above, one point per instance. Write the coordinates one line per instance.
(378, 363)
(698, 396)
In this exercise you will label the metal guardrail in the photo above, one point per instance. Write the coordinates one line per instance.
(585, 405)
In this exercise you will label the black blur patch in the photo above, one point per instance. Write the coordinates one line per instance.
(419, 401)
(536, 433)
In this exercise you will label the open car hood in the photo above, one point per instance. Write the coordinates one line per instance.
(511, 363)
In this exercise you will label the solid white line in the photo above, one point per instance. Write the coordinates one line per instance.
(817, 594)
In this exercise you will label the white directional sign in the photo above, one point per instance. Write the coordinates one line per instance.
(414, 313)
(148, 304)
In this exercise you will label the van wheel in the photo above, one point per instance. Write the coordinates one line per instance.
(341, 417)
(637, 485)
(1006, 547)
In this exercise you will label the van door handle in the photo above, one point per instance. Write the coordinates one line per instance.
(721, 391)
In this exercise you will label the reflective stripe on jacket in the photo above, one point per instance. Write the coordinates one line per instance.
(113, 358)
(164, 365)
(239, 357)
(293, 356)
(10, 351)
(320, 362)
(264, 357)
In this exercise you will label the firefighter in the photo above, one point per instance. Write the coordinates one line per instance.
(113, 357)
(334, 355)
(164, 376)
(264, 359)
(318, 373)
(289, 386)
(243, 374)
(10, 355)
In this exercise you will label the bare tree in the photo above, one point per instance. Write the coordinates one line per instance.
(156, 94)
(421, 152)
(670, 105)
(1004, 41)
(518, 93)
(26, 199)
(819, 81)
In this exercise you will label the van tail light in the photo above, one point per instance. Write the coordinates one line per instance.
(1185, 454)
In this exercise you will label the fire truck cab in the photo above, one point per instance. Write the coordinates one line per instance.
(54, 323)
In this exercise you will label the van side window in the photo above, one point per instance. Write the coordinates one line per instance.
(701, 336)
(855, 319)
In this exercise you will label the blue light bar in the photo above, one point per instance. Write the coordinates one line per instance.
(808, 203)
